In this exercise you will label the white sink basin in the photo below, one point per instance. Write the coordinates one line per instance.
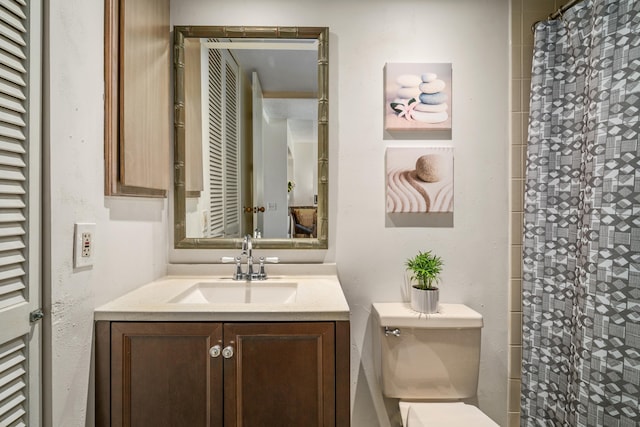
(226, 292)
(203, 293)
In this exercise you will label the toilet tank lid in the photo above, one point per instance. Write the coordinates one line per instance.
(399, 314)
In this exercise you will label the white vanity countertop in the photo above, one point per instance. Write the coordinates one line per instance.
(319, 297)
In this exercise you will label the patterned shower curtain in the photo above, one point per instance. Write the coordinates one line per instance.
(581, 270)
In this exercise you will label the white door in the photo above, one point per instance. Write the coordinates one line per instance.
(20, 191)
(258, 148)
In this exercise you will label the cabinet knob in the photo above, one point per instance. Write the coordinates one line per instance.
(214, 351)
(227, 352)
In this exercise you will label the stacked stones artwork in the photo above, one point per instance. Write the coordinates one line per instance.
(418, 96)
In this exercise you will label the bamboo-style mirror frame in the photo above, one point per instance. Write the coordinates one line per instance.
(181, 241)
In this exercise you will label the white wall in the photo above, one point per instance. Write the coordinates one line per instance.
(473, 36)
(131, 234)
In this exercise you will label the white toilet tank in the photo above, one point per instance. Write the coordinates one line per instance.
(427, 356)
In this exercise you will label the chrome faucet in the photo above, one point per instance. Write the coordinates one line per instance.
(247, 251)
(247, 246)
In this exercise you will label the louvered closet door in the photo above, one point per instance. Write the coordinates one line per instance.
(232, 150)
(224, 145)
(216, 170)
(20, 109)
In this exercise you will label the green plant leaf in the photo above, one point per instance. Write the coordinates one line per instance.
(426, 269)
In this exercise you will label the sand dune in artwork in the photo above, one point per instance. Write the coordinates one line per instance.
(408, 193)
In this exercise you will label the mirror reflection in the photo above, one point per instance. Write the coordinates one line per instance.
(250, 140)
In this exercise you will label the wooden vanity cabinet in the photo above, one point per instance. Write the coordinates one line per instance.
(267, 374)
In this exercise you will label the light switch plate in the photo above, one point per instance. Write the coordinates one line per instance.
(84, 244)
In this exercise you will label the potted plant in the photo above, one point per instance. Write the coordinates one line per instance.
(425, 269)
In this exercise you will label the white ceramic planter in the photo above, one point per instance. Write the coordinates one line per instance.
(425, 301)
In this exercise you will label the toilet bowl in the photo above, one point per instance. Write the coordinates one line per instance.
(456, 414)
(431, 363)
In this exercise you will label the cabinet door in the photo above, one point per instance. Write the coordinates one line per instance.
(163, 374)
(282, 374)
(137, 97)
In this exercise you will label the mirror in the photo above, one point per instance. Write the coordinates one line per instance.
(251, 136)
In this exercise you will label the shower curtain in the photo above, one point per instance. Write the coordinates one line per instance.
(581, 248)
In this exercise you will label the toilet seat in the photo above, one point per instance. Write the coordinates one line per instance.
(450, 414)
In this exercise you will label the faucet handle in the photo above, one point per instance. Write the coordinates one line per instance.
(229, 259)
(262, 274)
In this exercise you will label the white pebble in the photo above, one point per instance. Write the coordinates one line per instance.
(408, 80)
(409, 92)
(432, 108)
(433, 87)
(429, 77)
(429, 117)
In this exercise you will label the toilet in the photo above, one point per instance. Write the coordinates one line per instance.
(430, 362)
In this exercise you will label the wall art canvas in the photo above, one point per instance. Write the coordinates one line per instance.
(418, 96)
(419, 180)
